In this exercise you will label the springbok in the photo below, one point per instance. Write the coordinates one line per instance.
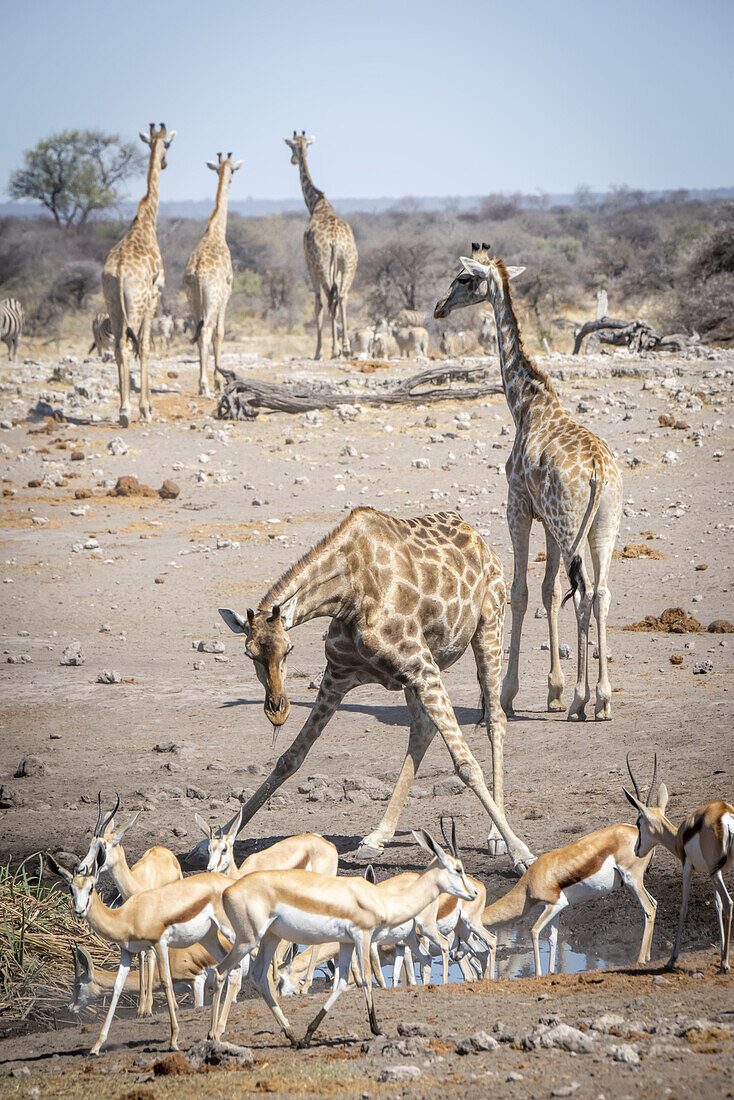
(177, 915)
(703, 842)
(592, 866)
(190, 968)
(156, 867)
(267, 907)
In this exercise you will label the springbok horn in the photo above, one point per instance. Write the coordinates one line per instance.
(446, 840)
(75, 958)
(109, 817)
(634, 781)
(654, 777)
(99, 816)
(454, 845)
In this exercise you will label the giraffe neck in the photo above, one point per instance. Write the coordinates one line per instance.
(148, 206)
(218, 219)
(311, 193)
(524, 384)
(320, 584)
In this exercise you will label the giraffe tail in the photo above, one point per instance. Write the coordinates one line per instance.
(576, 567)
(129, 334)
(197, 331)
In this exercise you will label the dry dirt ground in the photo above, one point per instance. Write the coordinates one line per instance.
(136, 581)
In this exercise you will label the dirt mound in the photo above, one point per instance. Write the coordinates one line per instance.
(720, 626)
(673, 620)
(129, 486)
(639, 550)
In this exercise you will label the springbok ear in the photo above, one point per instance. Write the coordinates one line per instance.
(474, 267)
(370, 874)
(237, 165)
(513, 272)
(144, 138)
(84, 960)
(203, 825)
(634, 801)
(59, 870)
(118, 836)
(214, 167)
(234, 826)
(235, 622)
(662, 797)
(426, 841)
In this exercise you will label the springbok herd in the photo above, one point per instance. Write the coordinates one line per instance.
(405, 599)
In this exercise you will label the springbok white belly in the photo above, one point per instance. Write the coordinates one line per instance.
(602, 882)
(190, 932)
(308, 928)
(694, 855)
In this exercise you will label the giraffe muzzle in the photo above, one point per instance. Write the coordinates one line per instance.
(277, 709)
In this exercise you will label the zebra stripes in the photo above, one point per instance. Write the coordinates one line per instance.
(11, 325)
(104, 338)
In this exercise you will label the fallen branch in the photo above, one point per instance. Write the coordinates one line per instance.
(242, 398)
(636, 335)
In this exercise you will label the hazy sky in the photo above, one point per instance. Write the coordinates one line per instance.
(405, 98)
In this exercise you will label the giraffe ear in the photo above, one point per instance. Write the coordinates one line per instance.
(310, 140)
(144, 138)
(513, 272)
(214, 167)
(171, 136)
(237, 165)
(474, 267)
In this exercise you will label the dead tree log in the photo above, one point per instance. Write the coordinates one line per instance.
(242, 398)
(636, 335)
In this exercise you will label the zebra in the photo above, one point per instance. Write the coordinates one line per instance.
(104, 337)
(11, 325)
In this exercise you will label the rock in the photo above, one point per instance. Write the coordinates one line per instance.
(82, 494)
(129, 486)
(675, 659)
(77, 456)
(196, 792)
(607, 1022)
(404, 1048)
(416, 1028)
(40, 521)
(396, 1074)
(167, 746)
(670, 458)
(107, 676)
(421, 464)
(477, 1042)
(210, 647)
(72, 655)
(199, 666)
(23, 1071)
(169, 490)
(29, 767)
(720, 626)
(212, 1053)
(564, 652)
(451, 785)
(20, 659)
(373, 788)
(117, 446)
(702, 668)
(566, 1090)
(563, 1037)
(623, 1052)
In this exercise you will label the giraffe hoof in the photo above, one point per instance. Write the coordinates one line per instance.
(124, 420)
(576, 716)
(556, 704)
(496, 846)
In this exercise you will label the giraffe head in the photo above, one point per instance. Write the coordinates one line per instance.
(158, 140)
(225, 163)
(298, 145)
(267, 645)
(482, 277)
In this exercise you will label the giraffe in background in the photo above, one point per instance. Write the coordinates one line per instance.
(208, 277)
(331, 254)
(405, 598)
(133, 279)
(558, 472)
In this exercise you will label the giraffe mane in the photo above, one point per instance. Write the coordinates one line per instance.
(539, 376)
(278, 589)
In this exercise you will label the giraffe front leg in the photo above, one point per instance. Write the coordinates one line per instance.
(203, 342)
(319, 308)
(346, 346)
(552, 603)
(122, 358)
(487, 647)
(601, 544)
(519, 520)
(582, 606)
(435, 699)
(422, 732)
(144, 378)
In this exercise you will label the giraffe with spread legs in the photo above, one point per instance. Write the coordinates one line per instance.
(331, 254)
(558, 472)
(133, 280)
(405, 598)
(208, 277)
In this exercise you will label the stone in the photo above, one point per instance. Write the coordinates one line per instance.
(117, 446)
(212, 1053)
(167, 746)
(108, 676)
(607, 1022)
(564, 652)
(477, 1042)
(397, 1074)
(72, 655)
(450, 785)
(211, 647)
(566, 1090)
(413, 1027)
(720, 626)
(40, 521)
(702, 668)
(421, 464)
(561, 1036)
(623, 1052)
(169, 490)
(375, 789)
(196, 792)
(30, 767)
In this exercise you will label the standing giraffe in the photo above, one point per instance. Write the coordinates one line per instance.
(331, 254)
(405, 598)
(208, 277)
(133, 280)
(558, 472)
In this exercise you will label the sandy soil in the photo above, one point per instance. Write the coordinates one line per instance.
(254, 496)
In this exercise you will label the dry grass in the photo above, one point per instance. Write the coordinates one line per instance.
(38, 927)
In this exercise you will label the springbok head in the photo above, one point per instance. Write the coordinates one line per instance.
(452, 878)
(105, 839)
(650, 819)
(221, 841)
